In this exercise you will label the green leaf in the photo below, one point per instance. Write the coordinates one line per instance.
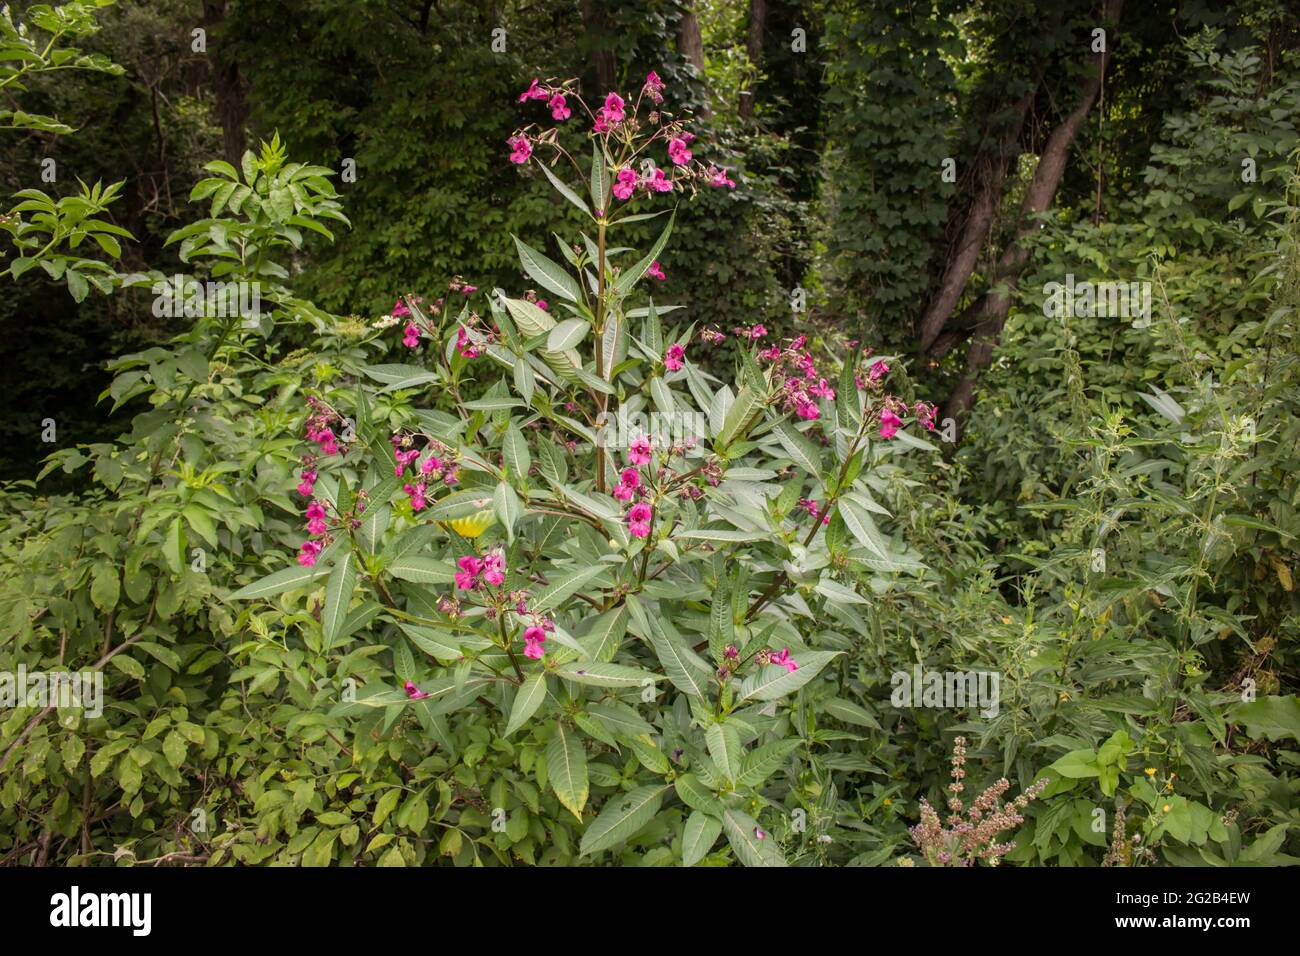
(514, 448)
(687, 670)
(759, 764)
(799, 448)
(723, 741)
(626, 280)
(1276, 718)
(281, 581)
(698, 836)
(338, 595)
(567, 334)
(563, 587)
(528, 698)
(547, 273)
(750, 849)
(566, 769)
(859, 522)
(622, 817)
(564, 190)
(601, 181)
(606, 675)
(419, 570)
(506, 506)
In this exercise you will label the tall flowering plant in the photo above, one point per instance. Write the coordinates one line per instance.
(587, 552)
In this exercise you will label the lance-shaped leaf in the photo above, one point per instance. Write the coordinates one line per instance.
(338, 595)
(546, 272)
(687, 670)
(562, 587)
(601, 181)
(529, 697)
(724, 747)
(759, 764)
(799, 448)
(626, 280)
(566, 769)
(622, 818)
(752, 847)
(286, 579)
(564, 190)
(698, 836)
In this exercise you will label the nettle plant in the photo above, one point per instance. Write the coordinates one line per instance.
(627, 577)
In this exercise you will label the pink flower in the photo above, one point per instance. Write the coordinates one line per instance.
(521, 149)
(541, 304)
(625, 183)
(674, 357)
(494, 568)
(678, 152)
(656, 271)
(534, 92)
(464, 344)
(638, 519)
(470, 567)
(638, 452)
(306, 488)
(758, 332)
(889, 423)
(416, 492)
(414, 692)
(404, 458)
(659, 183)
(925, 414)
(623, 492)
(468, 290)
(431, 466)
(411, 337)
(878, 371)
(822, 390)
(400, 310)
(654, 86)
(559, 109)
(307, 553)
(614, 109)
(719, 178)
(630, 477)
(783, 660)
(600, 126)
(534, 638)
(807, 410)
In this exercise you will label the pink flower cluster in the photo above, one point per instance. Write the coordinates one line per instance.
(474, 571)
(319, 420)
(675, 357)
(814, 509)
(617, 116)
(799, 380)
(630, 486)
(310, 549)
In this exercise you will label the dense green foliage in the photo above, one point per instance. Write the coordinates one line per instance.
(1113, 536)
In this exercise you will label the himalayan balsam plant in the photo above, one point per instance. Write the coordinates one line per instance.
(631, 613)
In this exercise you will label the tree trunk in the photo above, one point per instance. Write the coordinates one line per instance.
(595, 23)
(996, 304)
(754, 47)
(690, 44)
(232, 108)
(991, 172)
